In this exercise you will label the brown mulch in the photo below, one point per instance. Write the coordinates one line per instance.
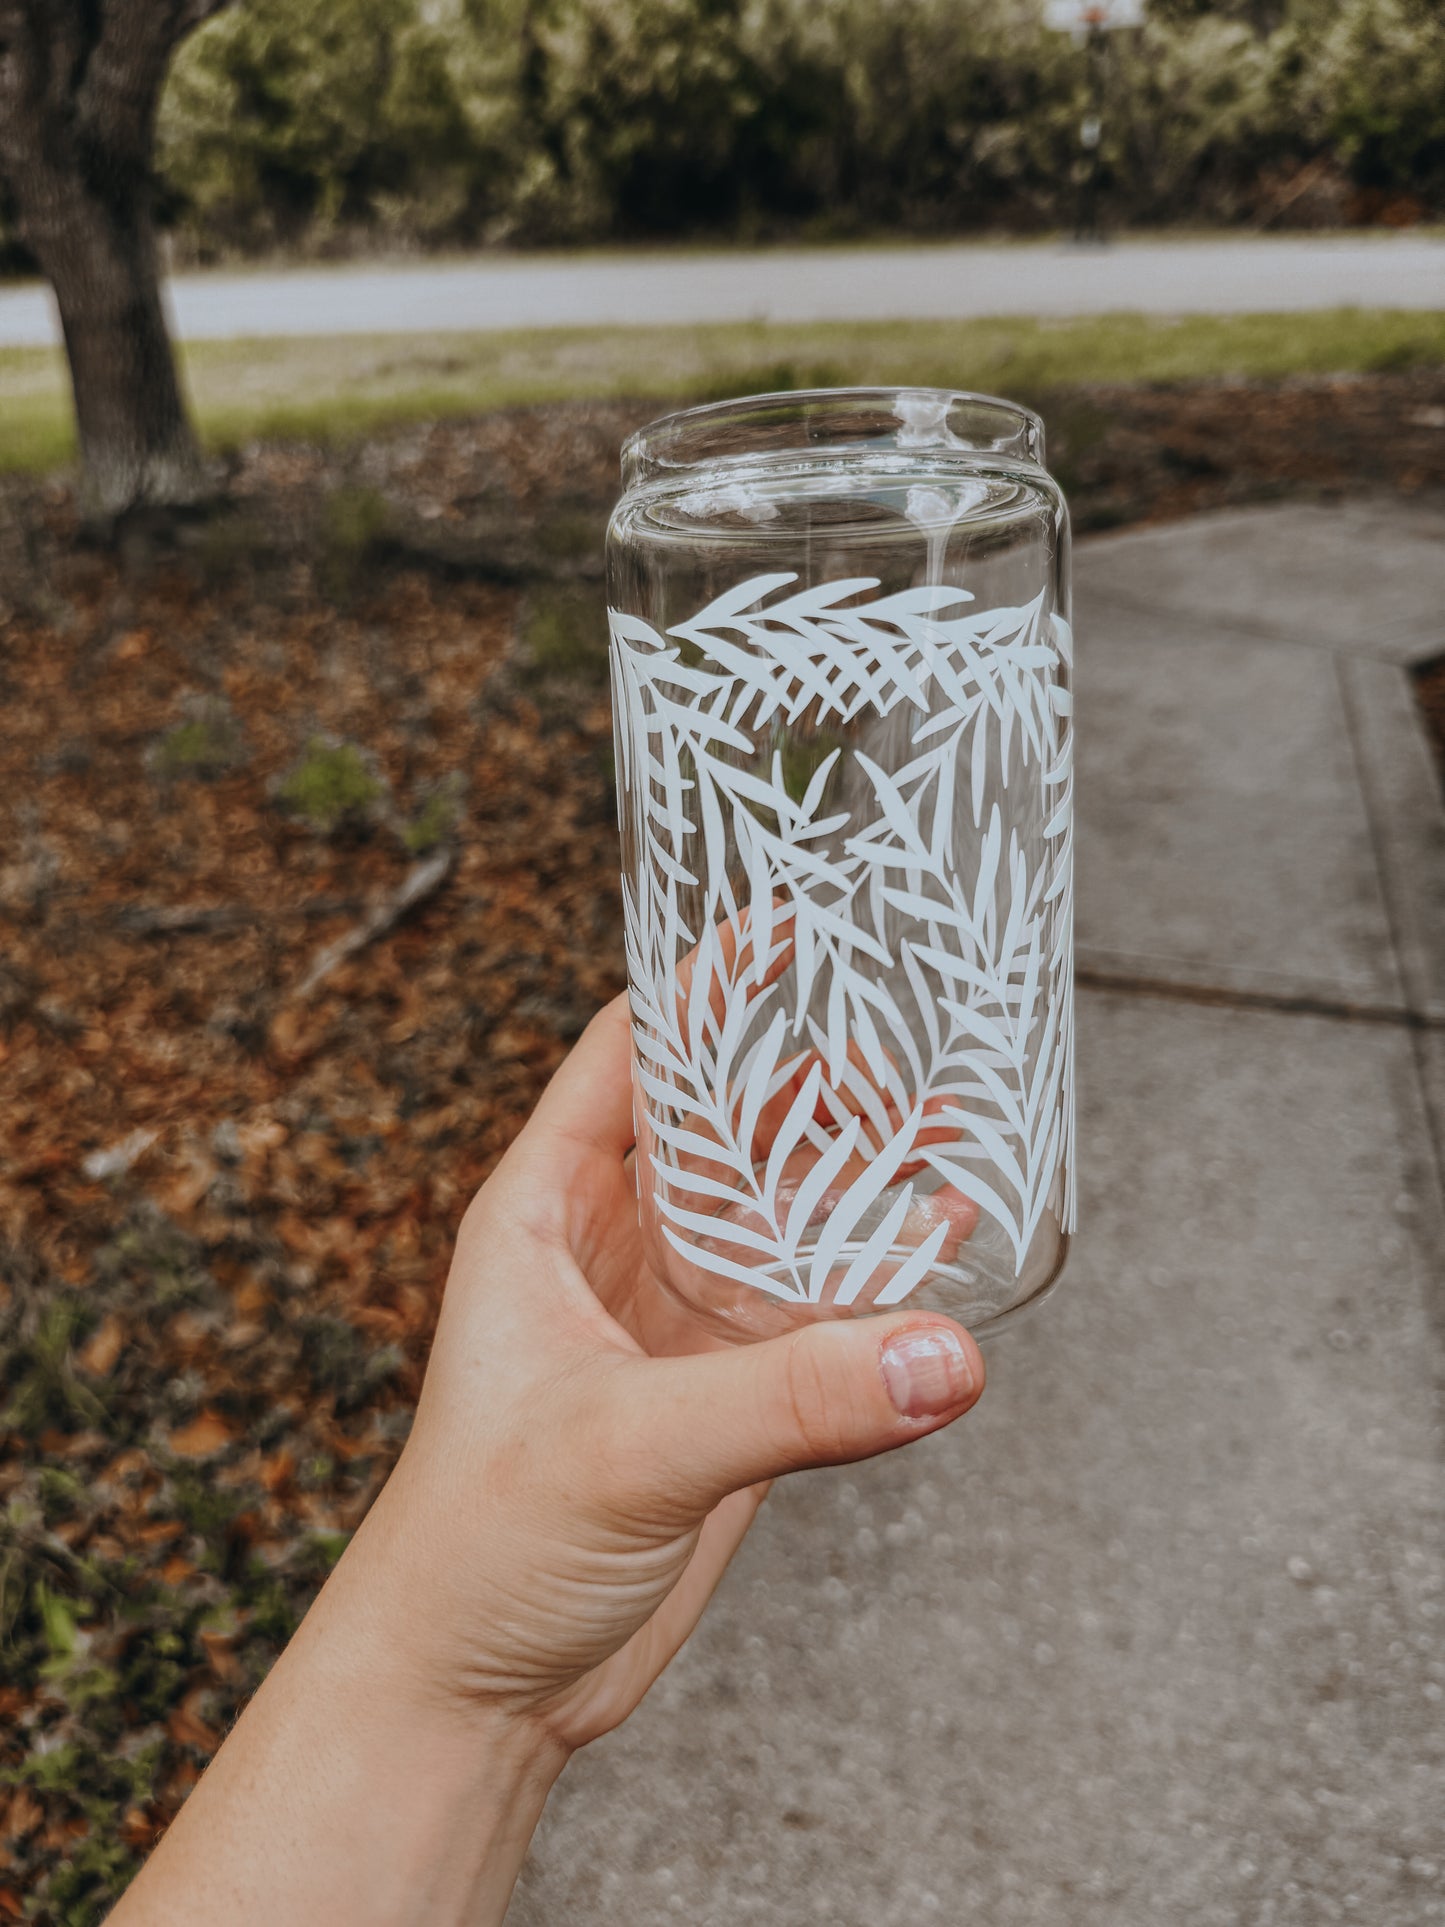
(228, 1189)
(1430, 691)
(1154, 454)
(248, 1083)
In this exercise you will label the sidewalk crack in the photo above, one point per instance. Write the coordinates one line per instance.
(1282, 1003)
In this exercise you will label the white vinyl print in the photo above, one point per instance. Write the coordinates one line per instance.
(850, 970)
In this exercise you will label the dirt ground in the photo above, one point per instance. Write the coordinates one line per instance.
(307, 881)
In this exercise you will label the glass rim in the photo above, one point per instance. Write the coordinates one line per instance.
(793, 425)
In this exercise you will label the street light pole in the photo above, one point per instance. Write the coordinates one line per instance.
(1091, 135)
(1088, 22)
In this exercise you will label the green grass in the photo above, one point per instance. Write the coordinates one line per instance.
(331, 784)
(346, 385)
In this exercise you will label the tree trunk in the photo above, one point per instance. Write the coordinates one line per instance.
(79, 83)
(136, 444)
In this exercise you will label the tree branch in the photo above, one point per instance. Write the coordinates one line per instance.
(116, 99)
(195, 13)
(97, 71)
(38, 46)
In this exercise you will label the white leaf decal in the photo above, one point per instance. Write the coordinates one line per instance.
(914, 1270)
(810, 982)
(875, 1250)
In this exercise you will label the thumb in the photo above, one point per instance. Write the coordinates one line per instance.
(824, 1395)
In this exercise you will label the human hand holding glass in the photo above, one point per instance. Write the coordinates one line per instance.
(578, 1477)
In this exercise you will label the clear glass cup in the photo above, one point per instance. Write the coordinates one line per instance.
(841, 680)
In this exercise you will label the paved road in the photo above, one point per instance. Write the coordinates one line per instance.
(841, 284)
(1156, 1637)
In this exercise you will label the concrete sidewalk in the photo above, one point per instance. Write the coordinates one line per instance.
(1156, 1638)
(1229, 274)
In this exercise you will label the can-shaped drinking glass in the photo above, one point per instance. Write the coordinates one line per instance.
(841, 663)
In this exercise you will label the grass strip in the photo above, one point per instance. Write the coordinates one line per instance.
(328, 388)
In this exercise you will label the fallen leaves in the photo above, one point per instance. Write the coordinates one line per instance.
(1430, 688)
(421, 881)
(206, 1435)
(186, 1726)
(118, 1158)
(97, 1357)
(250, 1073)
(23, 1815)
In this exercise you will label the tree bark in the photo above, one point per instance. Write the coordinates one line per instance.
(136, 442)
(79, 83)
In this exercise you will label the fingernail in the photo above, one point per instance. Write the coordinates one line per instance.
(926, 1372)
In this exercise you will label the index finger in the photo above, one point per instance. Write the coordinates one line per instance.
(586, 1110)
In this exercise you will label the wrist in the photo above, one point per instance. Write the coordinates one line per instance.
(467, 1775)
(405, 1595)
(379, 1626)
(354, 1789)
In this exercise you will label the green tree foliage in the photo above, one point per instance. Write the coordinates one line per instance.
(1381, 80)
(307, 120)
(316, 123)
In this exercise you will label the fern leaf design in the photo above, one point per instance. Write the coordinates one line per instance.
(840, 974)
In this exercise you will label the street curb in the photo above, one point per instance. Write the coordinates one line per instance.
(1407, 819)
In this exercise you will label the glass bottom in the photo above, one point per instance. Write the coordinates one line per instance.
(981, 1289)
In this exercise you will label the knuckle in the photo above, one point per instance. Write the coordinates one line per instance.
(817, 1410)
(612, 1017)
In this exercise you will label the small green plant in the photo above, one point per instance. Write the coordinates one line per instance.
(98, 1785)
(61, 1493)
(206, 742)
(157, 1259)
(436, 817)
(43, 1387)
(206, 1509)
(564, 636)
(571, 536)
(340, 1362)
(228, 540)
(333, 786)
(354, 522)
(323, 1549)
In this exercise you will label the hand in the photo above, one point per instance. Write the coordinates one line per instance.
(572, 1492)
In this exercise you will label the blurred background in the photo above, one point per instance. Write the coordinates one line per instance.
(321, 326)
(410, 125)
